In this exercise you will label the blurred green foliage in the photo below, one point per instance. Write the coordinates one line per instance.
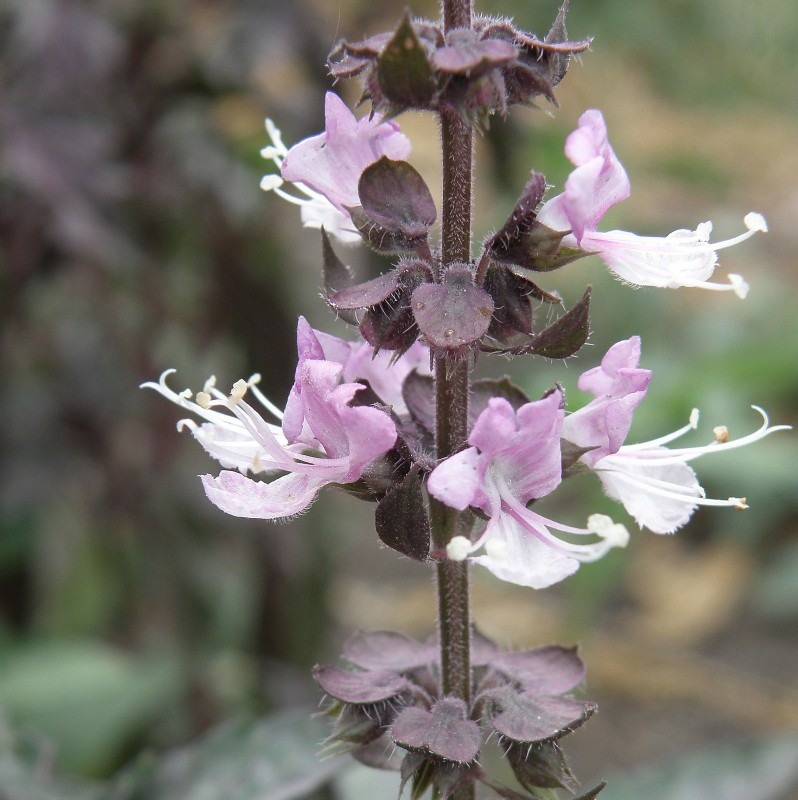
(133, 237)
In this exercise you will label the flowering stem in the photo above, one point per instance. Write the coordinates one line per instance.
(452, 381)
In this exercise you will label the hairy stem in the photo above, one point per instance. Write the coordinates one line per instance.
(451, 397)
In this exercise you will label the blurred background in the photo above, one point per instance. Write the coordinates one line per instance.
(135, 618)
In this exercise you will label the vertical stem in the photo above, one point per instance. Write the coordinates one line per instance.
(451, 396)
(451, 403)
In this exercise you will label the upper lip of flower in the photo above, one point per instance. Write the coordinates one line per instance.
(325, 168)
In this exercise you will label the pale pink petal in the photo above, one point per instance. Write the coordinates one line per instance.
(619, 362)
(456, 480)
(598, 182)
(384, 375)
(518, 557)
(308, 347)
(534, 466)
(331, 162)
(652, 510)
(618, 386)
(371, 433)
(322, 401)
(496, 428)
(668, 262)
(240, 496)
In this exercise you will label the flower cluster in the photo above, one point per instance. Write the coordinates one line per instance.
(356, 186)
(361, 415)
(364, 422)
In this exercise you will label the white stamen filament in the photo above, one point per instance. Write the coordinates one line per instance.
(539, 526)
(674, 492)
(668, 437)
(648, 451)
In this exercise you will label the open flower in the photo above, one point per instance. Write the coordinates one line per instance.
(514, 458)
(337, 442)
(683, 258)
(653, 482)
(326, 168)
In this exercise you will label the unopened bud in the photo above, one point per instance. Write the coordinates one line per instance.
(458, 548)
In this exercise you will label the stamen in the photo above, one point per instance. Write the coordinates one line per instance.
(613, 533)
(677, 492)
(271, 182)
(721, 434)
(203, 399)
(239, 390)
(275, 136)
(755, 222)
(739, 285)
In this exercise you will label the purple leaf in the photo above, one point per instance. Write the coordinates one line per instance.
(465, 54)
(568, 334)
(527, 718)
(395, 197)
(444, 731)
(368, 293)
(418, 392)
(523, 214)
(355, 686)
(405, 75)
(545, 670)
(541, 766)
(402, 520)
(387, 650)
(452, 315)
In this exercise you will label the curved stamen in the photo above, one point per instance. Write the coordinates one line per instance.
(668, 437)
(646, 451)
(676, 492)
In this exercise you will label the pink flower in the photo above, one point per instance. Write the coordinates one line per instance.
(514, 458)
(654, 483)
(384, 373)
(326, 168)
(339, 441)
(683, 258)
